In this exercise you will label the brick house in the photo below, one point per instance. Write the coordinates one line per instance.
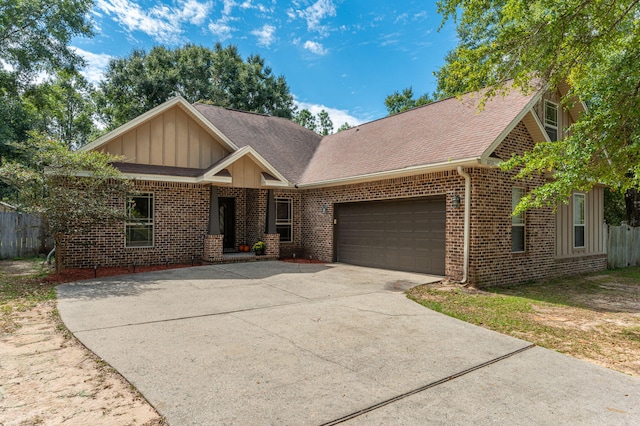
(418, 191)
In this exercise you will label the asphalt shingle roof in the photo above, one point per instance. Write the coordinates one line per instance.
(448, 130)
(445, 131)
(284, 144)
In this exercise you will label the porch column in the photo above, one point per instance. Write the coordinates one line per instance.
(270, 236)
(270, 225)
(214, 213)
(213, 242)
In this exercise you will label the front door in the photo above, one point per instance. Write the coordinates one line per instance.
(227, 208)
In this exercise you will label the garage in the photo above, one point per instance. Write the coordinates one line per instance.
(405, 235)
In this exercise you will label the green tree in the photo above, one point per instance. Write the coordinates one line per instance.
(141, 81)
(326, 125)
(344, 126)
(306, 119)
(34, 37)
(35, 34)
(73, 191)
(63, 107)
(592, 45)
(321, 124)
(402, 101)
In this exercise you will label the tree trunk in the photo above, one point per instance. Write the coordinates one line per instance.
(632, 201)
(60, 248)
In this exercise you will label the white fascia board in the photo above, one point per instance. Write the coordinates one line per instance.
(178, 179)
(273, 183)
(528, 108)
(391, 174)
(178, 100)
(254, 155)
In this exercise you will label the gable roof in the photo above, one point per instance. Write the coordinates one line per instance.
(284, 144)
(437, 136)
(443, 133)
(154, 112)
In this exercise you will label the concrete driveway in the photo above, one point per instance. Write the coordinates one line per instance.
(292, 344)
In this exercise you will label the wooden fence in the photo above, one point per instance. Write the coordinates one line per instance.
(20, 235)
(623, 246)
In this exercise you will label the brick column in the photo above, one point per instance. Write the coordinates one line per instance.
(273, 245)
(213, 248)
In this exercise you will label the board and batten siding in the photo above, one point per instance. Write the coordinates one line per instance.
(564, 116)
(245, 173)
(594, 226)
(171, 139)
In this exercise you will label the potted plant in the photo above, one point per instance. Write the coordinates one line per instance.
(259, 248)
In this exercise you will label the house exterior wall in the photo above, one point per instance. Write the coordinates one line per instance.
(181, 215)
(240, 195)
(296, 247)
(318, 228)
(491, 260)
(245, 173)
(171, 139)
(594, 232)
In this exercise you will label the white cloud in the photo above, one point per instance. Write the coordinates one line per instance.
(265, 35)
(314, 14)
(315, 47)
(338, 116)
(163, 23)
(221, 29)
(96, 64)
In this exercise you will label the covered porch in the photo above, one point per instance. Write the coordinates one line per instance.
(240, 217)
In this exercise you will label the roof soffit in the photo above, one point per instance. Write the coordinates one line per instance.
(252, 154)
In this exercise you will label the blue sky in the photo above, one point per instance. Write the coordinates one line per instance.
(344, 56)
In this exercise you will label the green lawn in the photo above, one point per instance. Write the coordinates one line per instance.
(594, 317)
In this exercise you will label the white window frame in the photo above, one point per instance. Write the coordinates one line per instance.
(518, 221)
(577, 217)
(147, 222)
(288, 222)
(549, 122)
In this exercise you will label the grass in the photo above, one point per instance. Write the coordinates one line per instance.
(20, 292)
(593, 317)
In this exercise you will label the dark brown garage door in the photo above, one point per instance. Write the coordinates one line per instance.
(405, 235)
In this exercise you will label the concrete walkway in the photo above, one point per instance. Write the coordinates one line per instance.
(272, 343)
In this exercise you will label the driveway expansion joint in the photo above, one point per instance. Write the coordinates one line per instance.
(426, 387)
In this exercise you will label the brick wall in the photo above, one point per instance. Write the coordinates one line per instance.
(491, 261)
(317, 228)
(240, 195)
(182, 212)
(289, 249)
(256, 214)
(181, 215)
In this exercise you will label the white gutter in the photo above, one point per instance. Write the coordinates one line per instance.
(467, 223)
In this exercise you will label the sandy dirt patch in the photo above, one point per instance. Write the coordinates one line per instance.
(47, 378)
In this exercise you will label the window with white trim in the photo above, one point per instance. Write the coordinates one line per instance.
(578, 220)
(551, 119)
(139, 223)
(517, 222)
(284, 219)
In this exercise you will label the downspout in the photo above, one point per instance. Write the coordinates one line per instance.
(467, 223)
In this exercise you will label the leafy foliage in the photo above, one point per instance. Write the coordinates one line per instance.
(321, 124)
(73, 191)
(34, 38)
(403, 101)
(35, 34)
(137, 83)
(306, 119)
(592, 45)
